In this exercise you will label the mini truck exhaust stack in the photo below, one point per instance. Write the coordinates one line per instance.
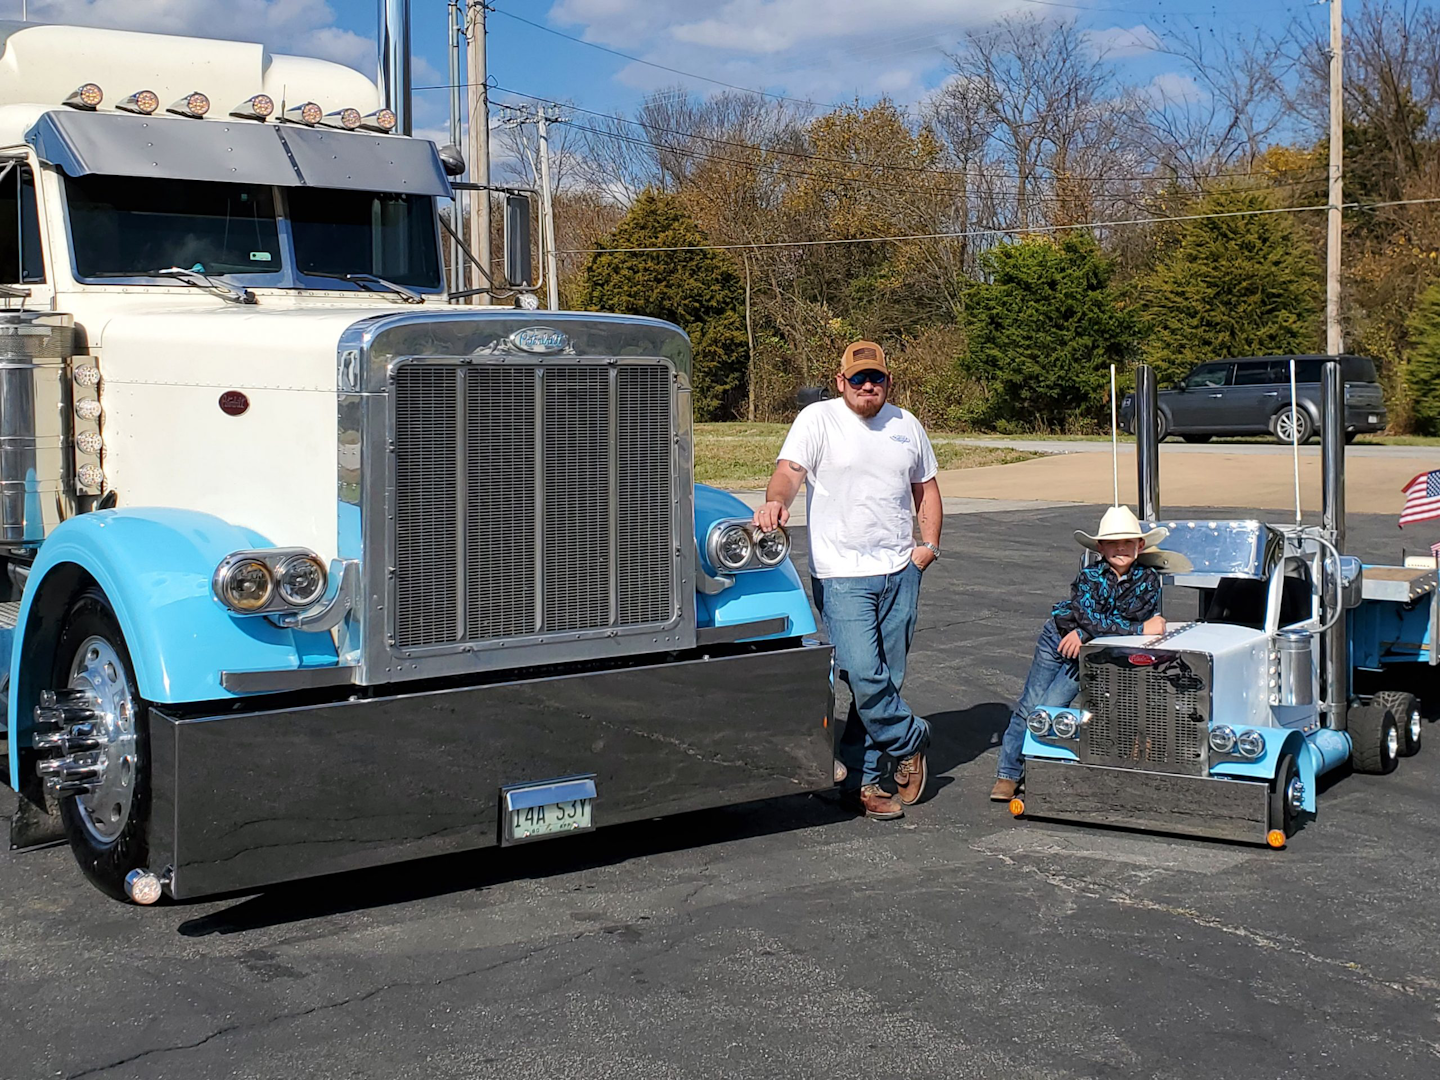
(306, 569)
(1221, 727)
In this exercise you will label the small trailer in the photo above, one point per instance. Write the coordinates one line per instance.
(1222, 727)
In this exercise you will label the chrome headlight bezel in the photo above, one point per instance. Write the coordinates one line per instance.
(1222, 739)
(1038, 723)
(734, 527)
(274, 561)
(1250, 745)
(1066, 724)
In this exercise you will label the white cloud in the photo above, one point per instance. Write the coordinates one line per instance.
(1117, 41)
(1173, 88)
(302, 27)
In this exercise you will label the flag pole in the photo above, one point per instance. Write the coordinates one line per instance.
(1114, 436)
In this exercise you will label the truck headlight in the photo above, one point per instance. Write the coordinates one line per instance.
(733, 547)
(772, 547)
(1039, 723)
(1065, 725)
(1222, 740)
(245, 584)
(736, 544)
(1251, 744)
(301, 580)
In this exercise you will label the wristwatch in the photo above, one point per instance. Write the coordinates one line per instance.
(933, 549)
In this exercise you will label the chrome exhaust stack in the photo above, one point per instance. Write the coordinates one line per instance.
(1332, 468)
(394, 78)
(1147, 443)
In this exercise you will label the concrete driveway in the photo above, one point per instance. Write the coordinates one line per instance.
(788, 938)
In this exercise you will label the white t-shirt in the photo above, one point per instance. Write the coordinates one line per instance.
(858, 504)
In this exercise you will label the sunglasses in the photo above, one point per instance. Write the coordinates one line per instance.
(860, 378)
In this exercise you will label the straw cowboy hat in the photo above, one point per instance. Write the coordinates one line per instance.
(1120, 524)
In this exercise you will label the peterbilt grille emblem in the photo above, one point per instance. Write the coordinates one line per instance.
(233, 403)
(540, 339)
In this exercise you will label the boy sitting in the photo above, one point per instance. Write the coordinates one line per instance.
(1118, 595)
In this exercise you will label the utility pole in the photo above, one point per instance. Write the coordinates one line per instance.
(479, 143)
(1334, 340)
(547, 202)
(455, 32)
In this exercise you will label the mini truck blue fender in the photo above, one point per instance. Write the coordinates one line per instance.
(155, 567)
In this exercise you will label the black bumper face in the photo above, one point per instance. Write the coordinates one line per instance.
(1154, 802)
(249, 799)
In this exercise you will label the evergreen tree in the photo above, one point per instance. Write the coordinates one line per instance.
(1233, 286)
(1043, 330)
(1422, 372)
(697, 290)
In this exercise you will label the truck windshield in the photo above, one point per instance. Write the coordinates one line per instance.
(125, 226)
(361, 232)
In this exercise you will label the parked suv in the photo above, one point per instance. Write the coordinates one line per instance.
(1251, 396)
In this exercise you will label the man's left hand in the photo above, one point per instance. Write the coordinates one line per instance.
(922, 557)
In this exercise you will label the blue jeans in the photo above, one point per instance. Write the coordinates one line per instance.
(870, 621)
(1054, 681)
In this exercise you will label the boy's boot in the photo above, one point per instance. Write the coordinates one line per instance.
(1004, 790)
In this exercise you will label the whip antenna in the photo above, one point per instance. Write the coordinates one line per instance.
(1114, 436)
(1295, 441)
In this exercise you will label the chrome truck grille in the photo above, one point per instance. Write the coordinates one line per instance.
(1150, 709)
(530, 500)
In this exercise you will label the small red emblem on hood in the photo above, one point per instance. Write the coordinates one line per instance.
(233, 403)
(1141, 659)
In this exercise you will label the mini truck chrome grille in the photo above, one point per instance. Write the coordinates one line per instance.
(531, 499)
(1153, 714)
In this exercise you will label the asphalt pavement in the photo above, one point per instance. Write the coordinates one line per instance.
(789, 938)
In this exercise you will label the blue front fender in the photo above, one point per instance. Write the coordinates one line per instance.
(155, 567)
(756, 594)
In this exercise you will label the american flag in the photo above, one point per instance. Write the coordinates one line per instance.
(1422, 498)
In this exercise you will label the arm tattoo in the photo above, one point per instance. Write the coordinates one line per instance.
(794, 467)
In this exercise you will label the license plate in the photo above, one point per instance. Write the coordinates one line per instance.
(554, 808)
(1374, 419)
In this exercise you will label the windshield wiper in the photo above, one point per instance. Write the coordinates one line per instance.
(409, 296)
(206, 282)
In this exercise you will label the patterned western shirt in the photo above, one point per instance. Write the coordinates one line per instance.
(1101, 603)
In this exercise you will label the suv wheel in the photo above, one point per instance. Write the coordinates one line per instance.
(1280, 425)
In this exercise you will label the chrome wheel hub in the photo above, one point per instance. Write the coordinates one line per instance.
(1392, 742)
(1413, 723)
(1284, 427)
(1295, 794)
(92, 725)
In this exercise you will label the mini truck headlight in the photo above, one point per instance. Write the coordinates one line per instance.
(245, 585)
(772, 547)
(1222, 740)
(1065, 725)
(1251, 744)
(1039, 723)
(733, 547)
(301, 580)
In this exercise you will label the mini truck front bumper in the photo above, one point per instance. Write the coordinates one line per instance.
(248, 799)
(1149, 801)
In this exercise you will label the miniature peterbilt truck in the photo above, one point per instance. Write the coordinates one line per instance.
(1221, 727)
(307, 569)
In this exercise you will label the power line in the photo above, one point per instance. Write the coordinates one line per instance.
(997, 230)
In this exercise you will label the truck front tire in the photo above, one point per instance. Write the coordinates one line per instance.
(107, 823)
(1374, 738)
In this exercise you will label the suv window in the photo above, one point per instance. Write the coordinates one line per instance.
(1208, 375)
(1261, 372)
(21, 261)
(1358, 369)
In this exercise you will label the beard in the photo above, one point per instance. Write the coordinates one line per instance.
(866, 408)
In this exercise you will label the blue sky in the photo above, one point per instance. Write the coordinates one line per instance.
(819, 50)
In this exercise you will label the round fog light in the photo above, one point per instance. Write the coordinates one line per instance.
(733, 547)
(301, 581)
(1251, 744)
(772, 547)
(247, 585)
(1222, 740)
(1066, 724)
(1038, 723)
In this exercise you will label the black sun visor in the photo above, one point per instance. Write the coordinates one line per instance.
(242, 152)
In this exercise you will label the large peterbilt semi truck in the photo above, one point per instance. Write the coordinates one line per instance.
(1222, 726)
(307, 569)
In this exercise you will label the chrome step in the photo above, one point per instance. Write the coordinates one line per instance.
(9, 615)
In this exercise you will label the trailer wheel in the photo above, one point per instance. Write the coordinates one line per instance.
(1406, 708)
(1374, 738)
(103, 775)
(1286, 797)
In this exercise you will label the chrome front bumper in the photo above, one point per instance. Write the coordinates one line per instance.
(1150, 801)
(242, 800)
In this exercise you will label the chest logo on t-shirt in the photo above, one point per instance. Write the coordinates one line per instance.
(900, 438)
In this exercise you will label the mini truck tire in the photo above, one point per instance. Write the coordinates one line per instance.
(1283, 814)
(1374, 739)
(1406, 708)
(110, 845)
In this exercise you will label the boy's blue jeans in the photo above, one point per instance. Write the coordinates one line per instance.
(871, 621)
(1054, 681)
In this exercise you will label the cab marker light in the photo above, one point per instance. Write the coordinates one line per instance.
(194, 105)
(86, 96)
(381, 120)
(260, 107)
(347, 119)
(308, 114)
(143, 102)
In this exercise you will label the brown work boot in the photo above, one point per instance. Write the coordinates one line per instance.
(1004, 790)
(877, 803)
(910, 777)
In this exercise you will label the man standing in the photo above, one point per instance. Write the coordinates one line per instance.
(868, 467)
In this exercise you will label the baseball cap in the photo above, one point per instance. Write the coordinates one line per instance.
(862, 356)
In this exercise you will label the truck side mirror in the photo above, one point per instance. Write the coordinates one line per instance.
(451, 159)
(518, 269)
